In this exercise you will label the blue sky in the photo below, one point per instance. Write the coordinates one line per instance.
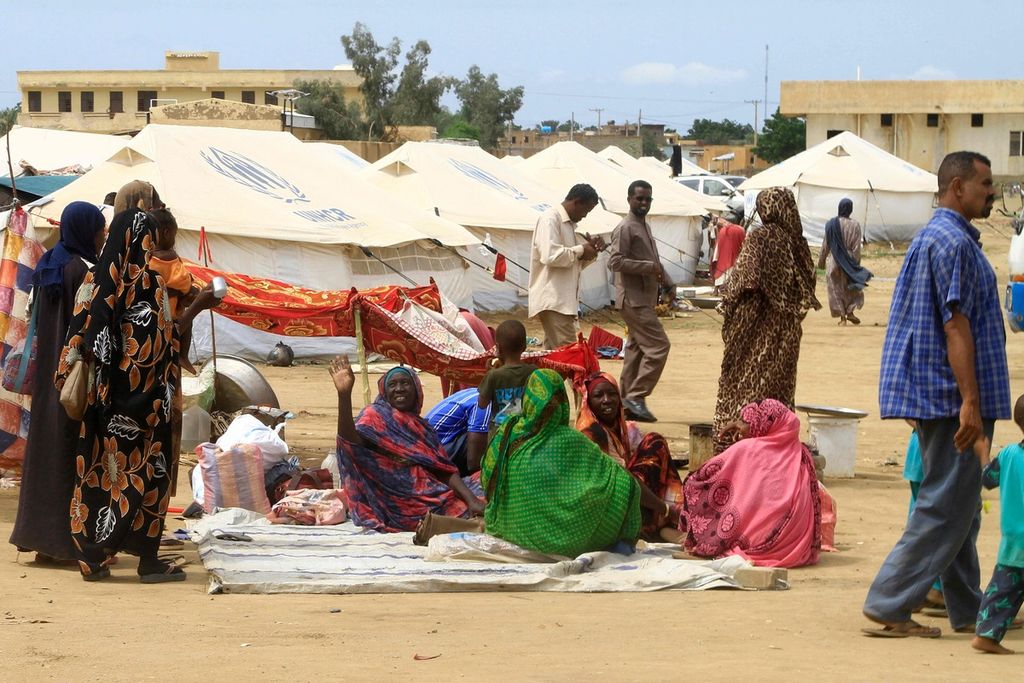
(674, 60)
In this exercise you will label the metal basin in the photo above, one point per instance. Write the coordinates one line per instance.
(832, 411)
(239, 384)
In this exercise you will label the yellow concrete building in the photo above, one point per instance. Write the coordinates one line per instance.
(918, 121)
(119, 101)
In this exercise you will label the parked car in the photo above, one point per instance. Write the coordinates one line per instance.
(717, 186)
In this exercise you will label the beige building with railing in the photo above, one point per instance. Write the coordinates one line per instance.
(119, 101)
(918, 121)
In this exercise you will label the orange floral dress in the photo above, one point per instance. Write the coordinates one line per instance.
(123, 316)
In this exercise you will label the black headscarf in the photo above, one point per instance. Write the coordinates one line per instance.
(80, 222)
(857, 274)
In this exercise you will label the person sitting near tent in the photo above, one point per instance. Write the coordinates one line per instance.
(392, 465)
(550, 488)
(760, 498)
(726, 242)
(462, 426)
(602, 419)
(846, 277)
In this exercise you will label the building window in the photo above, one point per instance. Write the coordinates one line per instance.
(64, 101)
(526, 139)
(145, 98)
(217, 94)
(35, 100)
(886, 120)
(977, 120)
(1017, 143)
(513, 139)
(87, 101)
(831, 133)
(116, 101)
(933, 120)
(269, 99)
(249, 96)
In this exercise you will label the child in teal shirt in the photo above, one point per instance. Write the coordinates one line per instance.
(1005, 592)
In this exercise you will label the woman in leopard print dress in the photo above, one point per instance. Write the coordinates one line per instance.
(764, 304)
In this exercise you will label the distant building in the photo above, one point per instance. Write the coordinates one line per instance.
(119, 101)
(918, 121)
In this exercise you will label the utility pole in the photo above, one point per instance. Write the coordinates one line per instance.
(756, 104)
(572, 125)
(639, 116)
(598, 110)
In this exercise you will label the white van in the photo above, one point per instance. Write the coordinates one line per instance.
(717, 186)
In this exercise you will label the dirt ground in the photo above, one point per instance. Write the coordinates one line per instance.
(55, 627)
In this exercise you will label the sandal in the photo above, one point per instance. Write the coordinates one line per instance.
(103, 573)
(908, 629)
(168, 573)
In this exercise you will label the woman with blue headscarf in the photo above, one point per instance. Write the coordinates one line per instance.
(846, 277)
(49, 470)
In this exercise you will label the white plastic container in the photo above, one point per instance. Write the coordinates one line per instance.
(1016, 256)
(195, 428)
(836, 439)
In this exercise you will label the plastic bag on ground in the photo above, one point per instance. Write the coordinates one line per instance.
(246, 429)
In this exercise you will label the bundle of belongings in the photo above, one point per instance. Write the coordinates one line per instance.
(249, 468)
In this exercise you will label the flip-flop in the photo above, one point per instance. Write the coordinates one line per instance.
(170, 573)
(97, 575)
(910, 629)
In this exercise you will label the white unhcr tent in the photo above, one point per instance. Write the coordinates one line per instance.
(892, 198)
(465, 184)
(49, 149)
(675, 216)
(273, 207)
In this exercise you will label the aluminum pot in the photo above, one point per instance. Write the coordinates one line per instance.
(240, 384)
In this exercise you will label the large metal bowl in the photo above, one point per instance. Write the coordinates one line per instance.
(831, 411)
(239, 384)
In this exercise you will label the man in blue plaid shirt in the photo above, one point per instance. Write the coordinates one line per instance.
(943, 365)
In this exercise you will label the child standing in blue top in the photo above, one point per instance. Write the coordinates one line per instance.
(1005, 591)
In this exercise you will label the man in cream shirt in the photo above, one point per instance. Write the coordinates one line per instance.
(556, 258)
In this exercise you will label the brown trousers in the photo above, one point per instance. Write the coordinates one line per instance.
(559, 328)
(646, 352)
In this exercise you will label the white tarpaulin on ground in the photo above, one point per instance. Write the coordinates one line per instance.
(47, 149)
(675, 214)
(467, 185)
(276, 208)
(347, 559)
(892, 199)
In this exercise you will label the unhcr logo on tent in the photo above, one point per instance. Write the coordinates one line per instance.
(252, 175)
(481, 176)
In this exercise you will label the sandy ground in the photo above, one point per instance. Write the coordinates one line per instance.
(55, 627)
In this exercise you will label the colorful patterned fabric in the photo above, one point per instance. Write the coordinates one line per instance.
(760, 498)
(20, 255)
(944, 270)
(1003, 599)
(123, 317)
(233, 478)
(402, 472)
(549, 488)
(646, 456)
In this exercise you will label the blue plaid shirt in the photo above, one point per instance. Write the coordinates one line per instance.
(944, 271)
(458, 414)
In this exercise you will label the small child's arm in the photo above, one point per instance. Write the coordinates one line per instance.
(990, 475)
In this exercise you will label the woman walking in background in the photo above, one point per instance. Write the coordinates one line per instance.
(846, 277)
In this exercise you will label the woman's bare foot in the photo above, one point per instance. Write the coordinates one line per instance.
(672, 535)
(853, 319)
(989, 646)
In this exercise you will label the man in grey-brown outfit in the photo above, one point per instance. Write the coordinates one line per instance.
(638, 274)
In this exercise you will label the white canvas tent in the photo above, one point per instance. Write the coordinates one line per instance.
(675, 216)
(276, 208)
(892, 198)
(48, 149)
(662, 181)
(339, 153)
(467, 185)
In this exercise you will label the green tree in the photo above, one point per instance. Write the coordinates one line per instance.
(486, 106)
(340, 120)
(781, 138)
(9, 117)
(376, 65)
(652, 146)
(566, 125)
(719, 132)
(417, 100)
(460, 129)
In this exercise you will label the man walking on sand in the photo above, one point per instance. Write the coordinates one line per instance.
(556, 259)
(633, 257)
(943, 365)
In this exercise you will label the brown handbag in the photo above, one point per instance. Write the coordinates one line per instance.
(75, 393)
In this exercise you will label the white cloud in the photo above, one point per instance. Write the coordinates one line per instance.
(691, 73)
(930, 72)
